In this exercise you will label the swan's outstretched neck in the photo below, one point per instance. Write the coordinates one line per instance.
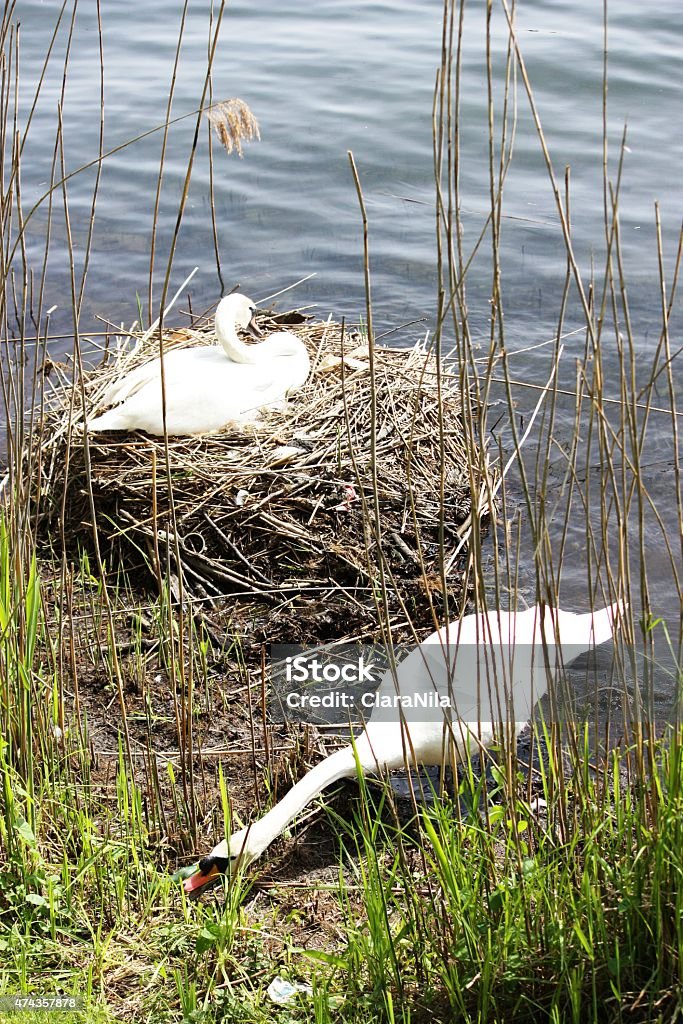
(340, 765)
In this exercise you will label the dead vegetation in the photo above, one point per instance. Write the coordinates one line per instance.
(291, 513)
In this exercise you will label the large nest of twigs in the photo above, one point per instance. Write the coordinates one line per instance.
(289, 514)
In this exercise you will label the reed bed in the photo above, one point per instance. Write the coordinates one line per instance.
(281, 508)
(128, 737)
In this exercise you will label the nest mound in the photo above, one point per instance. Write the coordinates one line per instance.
(289, 514)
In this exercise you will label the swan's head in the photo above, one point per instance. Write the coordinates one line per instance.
(224, 859)
(237, 311)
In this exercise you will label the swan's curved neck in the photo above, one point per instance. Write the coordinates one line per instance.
(227, 336)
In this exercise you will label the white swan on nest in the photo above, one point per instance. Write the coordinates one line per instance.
(209, 386)
(490, 669)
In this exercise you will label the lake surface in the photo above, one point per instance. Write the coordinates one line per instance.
(331, 77)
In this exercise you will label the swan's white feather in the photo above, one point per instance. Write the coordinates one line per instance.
(132, 382)
(525, 649)
(210, 386)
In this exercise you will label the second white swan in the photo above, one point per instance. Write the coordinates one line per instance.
(209, 386)
(490, 669)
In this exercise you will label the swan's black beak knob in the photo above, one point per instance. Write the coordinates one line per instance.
(253, 329)
(202, 876)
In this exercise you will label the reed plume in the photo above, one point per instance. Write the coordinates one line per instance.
(233, 121)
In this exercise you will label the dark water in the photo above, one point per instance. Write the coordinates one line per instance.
(326, 78)
(336, 76)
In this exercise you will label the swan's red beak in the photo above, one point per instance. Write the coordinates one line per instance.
(195, 882)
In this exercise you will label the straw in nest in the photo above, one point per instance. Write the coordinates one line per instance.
(291, 512)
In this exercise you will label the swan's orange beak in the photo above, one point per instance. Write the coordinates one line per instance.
(195, 882)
